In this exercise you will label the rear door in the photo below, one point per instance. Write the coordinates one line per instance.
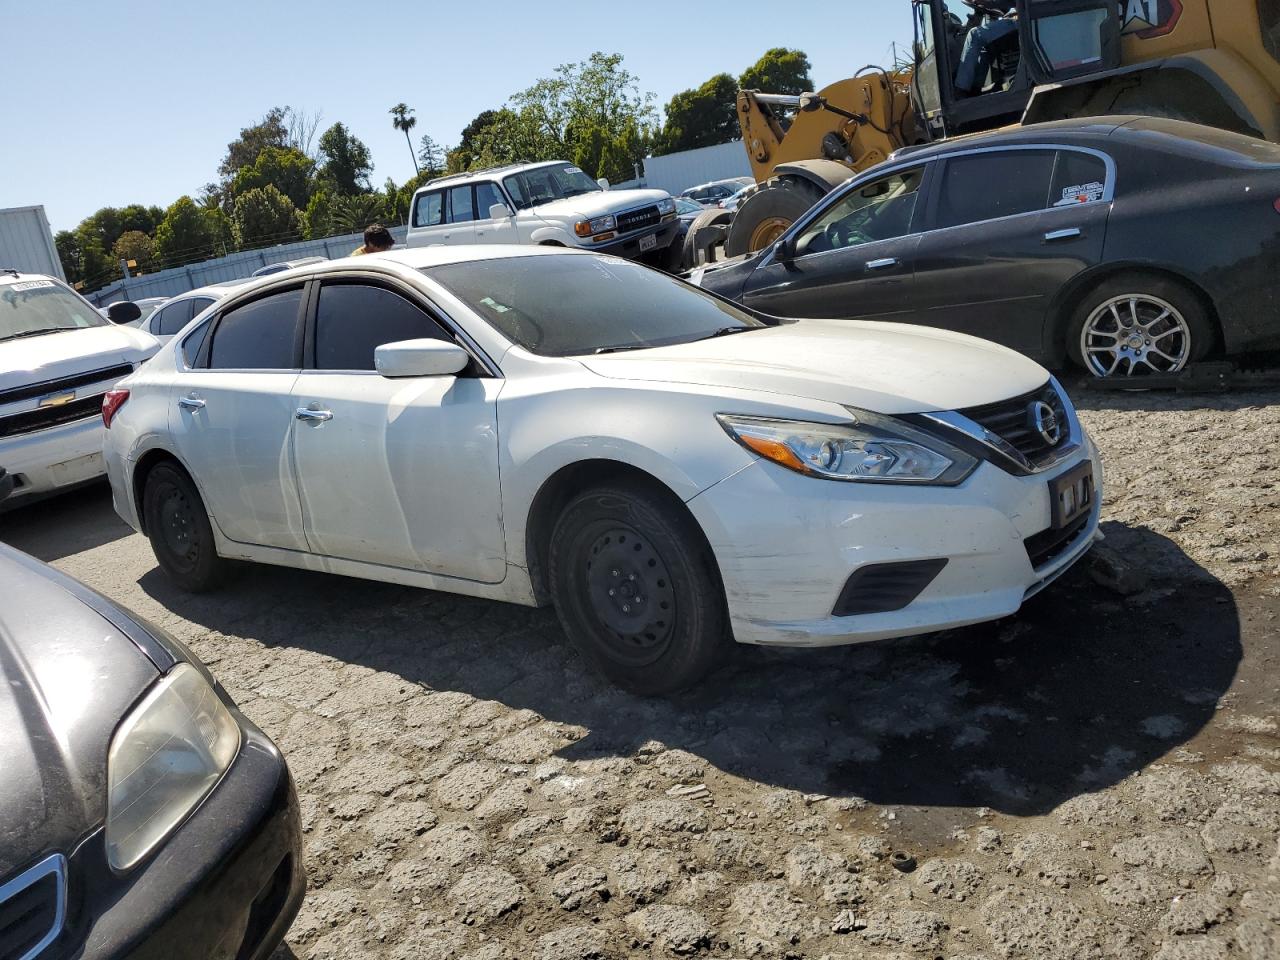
(429, 224)
(399, 472)
(231, 415)
(1008, 227)
(854, 259)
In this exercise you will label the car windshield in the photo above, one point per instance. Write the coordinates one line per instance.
(545, 184)
(573, 304)
(688, 206)
(30, 308)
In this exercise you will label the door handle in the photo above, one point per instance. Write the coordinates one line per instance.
(1066, 234)
(314, 416)
(882, 263)
(191, 403)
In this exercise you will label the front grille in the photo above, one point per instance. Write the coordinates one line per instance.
(30, 391)
(881, 587)
(638, 219)
(1013, 421)
(32, 420)
(32, 909)
(1048, 545)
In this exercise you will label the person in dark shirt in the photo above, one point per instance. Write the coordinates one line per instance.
(999, 20)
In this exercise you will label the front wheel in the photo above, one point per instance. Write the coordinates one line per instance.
(766, 215)
(1137, 325)
(179, 530)
(637, 590)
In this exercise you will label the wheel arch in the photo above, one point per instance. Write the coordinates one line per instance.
(1069, 298)
(142, 469)
(826, 175)
(561, 487)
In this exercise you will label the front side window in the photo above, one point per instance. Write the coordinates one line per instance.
(487, 194)
(354, 319)
(31, 308)
(570, 305)
(985, 186)
(428, 210)
(259, 335)
(460, 208)
(880, 210)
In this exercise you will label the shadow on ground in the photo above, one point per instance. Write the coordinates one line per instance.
(70, 523)
(1078, 691)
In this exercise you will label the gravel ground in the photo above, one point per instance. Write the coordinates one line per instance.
(1096, 777)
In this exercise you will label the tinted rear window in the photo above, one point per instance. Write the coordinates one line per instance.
(260, 335)
(984, 186)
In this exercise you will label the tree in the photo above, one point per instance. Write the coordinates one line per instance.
(137, 246)
(67, 243)
(431, 156)
(351, 214)
(186, 234)
(285, 168)
(780, 70)
(402, 118)
(315, 218)
(301, 128)
(344, 160)
(264, 216)
(271, 131)
(701, 117)
(462, 157)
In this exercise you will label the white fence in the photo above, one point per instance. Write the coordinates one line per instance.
(236, 266)
(680, 171)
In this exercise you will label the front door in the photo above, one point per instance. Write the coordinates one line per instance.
(855, 259)
(399, 472)
(487, 228)
(1009, 228)
(232, 415)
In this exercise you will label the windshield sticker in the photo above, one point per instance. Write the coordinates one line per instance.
(31, 285)
(572, 169)
(494, 305)
(1081, 193)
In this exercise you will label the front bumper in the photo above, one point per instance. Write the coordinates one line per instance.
(786, 544)
(226, 884)
(49, 460)
(629, 246)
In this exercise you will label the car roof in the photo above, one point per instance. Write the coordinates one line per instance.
(419, 258)
(1035, 132)
(488, 172)
(216, 290)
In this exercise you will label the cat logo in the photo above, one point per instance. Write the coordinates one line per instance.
(58, 399)
(1146, 19)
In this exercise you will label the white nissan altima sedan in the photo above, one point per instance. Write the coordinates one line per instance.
(667, 469)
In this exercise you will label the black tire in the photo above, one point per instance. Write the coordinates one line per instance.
(1201, 332)
(179, 530)
(771, 209)
(714, 219)
(664, 627)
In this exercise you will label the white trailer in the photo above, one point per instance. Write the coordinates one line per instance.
(26, 242)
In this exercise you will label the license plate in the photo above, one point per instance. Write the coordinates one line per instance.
(1071, 495)
(648, 243)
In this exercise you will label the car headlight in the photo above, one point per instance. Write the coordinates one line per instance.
(667, 206)
(585, 228)
(164, 759)
(872, 449)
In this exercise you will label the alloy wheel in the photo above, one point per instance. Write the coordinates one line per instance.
(1135, 334)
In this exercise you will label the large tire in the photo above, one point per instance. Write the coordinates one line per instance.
(637, 589)
(712, 219)
(764, 215)
(1156, 324)
(179, 530)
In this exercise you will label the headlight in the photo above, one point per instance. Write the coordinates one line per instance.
(585, 228)
(873, 449)
(164, 759)
(667, 206)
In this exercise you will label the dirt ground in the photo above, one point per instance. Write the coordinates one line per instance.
(1096, 777)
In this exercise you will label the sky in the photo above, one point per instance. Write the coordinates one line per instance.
(135, 101)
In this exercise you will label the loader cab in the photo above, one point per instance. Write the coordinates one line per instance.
(1052, 41)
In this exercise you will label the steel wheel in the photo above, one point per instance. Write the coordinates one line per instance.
(767, 232)
(1135, 334)
(178, 527)
(629, 587)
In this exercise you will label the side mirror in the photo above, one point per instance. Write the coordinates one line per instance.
(785, 250)
(604, 184)
(420, 358)
(499, 211)
(123, 311)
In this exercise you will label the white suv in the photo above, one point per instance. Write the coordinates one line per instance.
(551, 203)
(58, 356)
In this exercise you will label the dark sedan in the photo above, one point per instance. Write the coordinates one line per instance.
(1131, 245)
(141, 815)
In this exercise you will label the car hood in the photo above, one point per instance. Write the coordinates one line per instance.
(53, 355)
(887, 368)
(597, 204)
(67, 677)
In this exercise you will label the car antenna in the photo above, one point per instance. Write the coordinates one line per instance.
(13, 270)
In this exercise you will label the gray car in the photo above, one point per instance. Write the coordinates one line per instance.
(141, 814)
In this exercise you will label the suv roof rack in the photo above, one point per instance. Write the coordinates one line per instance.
(505, 168)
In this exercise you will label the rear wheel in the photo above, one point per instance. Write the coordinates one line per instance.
(179, 530)
(637, 590)
(1136, 325)
(765, 215)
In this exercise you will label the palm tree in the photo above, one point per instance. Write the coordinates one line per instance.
(403, 119)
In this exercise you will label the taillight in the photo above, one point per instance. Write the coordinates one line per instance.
(112, 401)
(1277, 205)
